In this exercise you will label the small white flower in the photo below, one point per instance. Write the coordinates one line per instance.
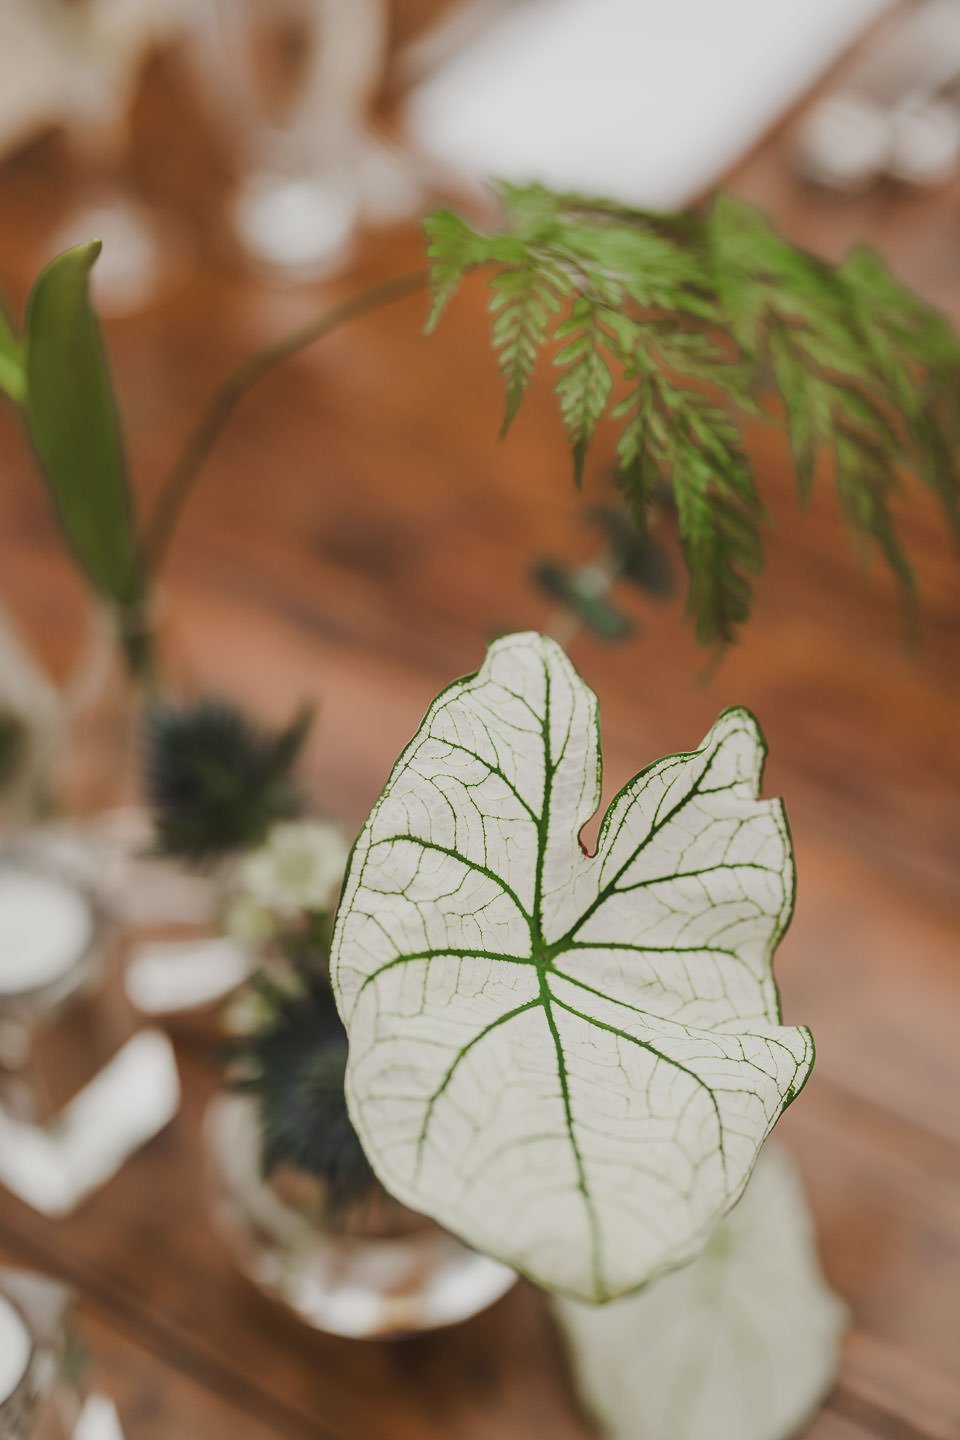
(299, 868)
(248, 921)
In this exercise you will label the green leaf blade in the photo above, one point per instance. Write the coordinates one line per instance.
(13, 381)
(73, 422)
(546, 1047)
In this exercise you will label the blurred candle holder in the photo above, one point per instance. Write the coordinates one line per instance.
(81, 1087)
(292, 83)
(43, 1367)
(371, 1269)
(99, 46)
(104, 700)
(128, 661)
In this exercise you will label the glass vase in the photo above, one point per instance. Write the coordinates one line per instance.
(104, 699)
(292, 83)
(82, 1086)
(368, 1270)
(41, 1363)
(101, 49)
(177, 964)
(43, 1366)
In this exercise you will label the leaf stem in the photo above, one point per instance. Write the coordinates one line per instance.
(183, 475)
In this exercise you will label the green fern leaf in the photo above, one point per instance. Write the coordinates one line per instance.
(583, 389)
(690, 315)
(453, 248)
(917, 353)
(523, 301)
(866, 480)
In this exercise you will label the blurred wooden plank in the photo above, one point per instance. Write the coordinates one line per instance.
(154, 1400)
(829, 1426)
(881, 1376)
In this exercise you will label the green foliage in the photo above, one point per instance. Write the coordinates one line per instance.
(215, 781)
(583, 592)
(293, 1065)
(70, 410)
(537, 1031)
(12, 379)
(842, 380)
(523, 301)
(13, 740)
(669, 326)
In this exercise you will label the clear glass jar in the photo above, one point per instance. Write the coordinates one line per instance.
(104, 700)
(54, 940)
(373, 1270)
(291, 83)
(81, 1085)
(41, 1362)
(97, 53)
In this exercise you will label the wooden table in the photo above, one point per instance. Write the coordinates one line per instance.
(358, 537)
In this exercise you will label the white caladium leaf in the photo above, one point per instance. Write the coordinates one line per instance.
(742, 1344)
(570, 1060)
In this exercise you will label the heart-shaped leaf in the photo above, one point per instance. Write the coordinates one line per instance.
(741, 1345)
(571, 1060)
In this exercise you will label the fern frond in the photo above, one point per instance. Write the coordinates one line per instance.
(690, 315)
(583, 389)
(453, 248)
(718, 510)
(917, 352)
(524, 298)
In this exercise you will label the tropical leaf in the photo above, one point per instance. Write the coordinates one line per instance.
(74, 426)
(742, 1344)
(571, 1060)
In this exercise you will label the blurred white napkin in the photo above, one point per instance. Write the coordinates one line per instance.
(54, 1167)
(169, 977)
(645, 101)
(98, 1420)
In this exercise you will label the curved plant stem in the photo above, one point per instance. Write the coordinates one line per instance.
(179, 483)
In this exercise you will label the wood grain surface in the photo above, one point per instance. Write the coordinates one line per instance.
(358, 536)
